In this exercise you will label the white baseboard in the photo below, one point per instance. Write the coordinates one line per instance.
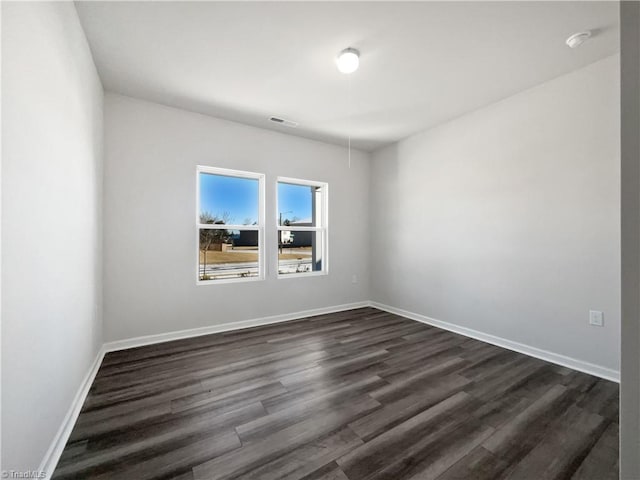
(52, 457)
(226, 327)
(556, 358)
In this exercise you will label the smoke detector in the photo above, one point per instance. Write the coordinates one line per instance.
(577, 39)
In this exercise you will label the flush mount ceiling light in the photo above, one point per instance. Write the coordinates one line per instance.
(348, 60)
(577, 39)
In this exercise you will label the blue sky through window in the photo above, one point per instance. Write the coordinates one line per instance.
(238, 197)
(294, 202)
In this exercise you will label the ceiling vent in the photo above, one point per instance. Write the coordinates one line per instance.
(282, 121)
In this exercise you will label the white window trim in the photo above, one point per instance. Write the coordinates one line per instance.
(324, 229)
(260, 227)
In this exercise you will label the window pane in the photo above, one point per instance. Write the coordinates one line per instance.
(228, 254)
(228, 200)
(299, 252)
(299, 205)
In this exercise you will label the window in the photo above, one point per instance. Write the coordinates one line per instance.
(302, 227)
(230, 223)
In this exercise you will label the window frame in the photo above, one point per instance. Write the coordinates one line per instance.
(324, 229)
(259, 228)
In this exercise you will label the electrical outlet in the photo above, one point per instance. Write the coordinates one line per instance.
(354, 279)
(596, 318)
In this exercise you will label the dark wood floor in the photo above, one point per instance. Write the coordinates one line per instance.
(354, 395)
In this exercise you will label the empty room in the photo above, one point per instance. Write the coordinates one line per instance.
(333, 240)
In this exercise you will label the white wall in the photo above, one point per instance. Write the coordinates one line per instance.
(52, 103)
(151, 153)
(506, 220)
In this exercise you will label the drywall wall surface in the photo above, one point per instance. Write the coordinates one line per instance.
(52, 103)
(506, 220)
(151, 154)
(630, 198)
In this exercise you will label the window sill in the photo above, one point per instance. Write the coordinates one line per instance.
(302, 275)
(229, 280)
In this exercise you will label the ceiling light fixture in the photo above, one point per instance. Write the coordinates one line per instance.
(577, 39)
(348, 60)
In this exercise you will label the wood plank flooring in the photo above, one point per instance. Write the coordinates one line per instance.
(354, 395)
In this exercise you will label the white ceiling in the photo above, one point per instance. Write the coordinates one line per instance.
(421, 63)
